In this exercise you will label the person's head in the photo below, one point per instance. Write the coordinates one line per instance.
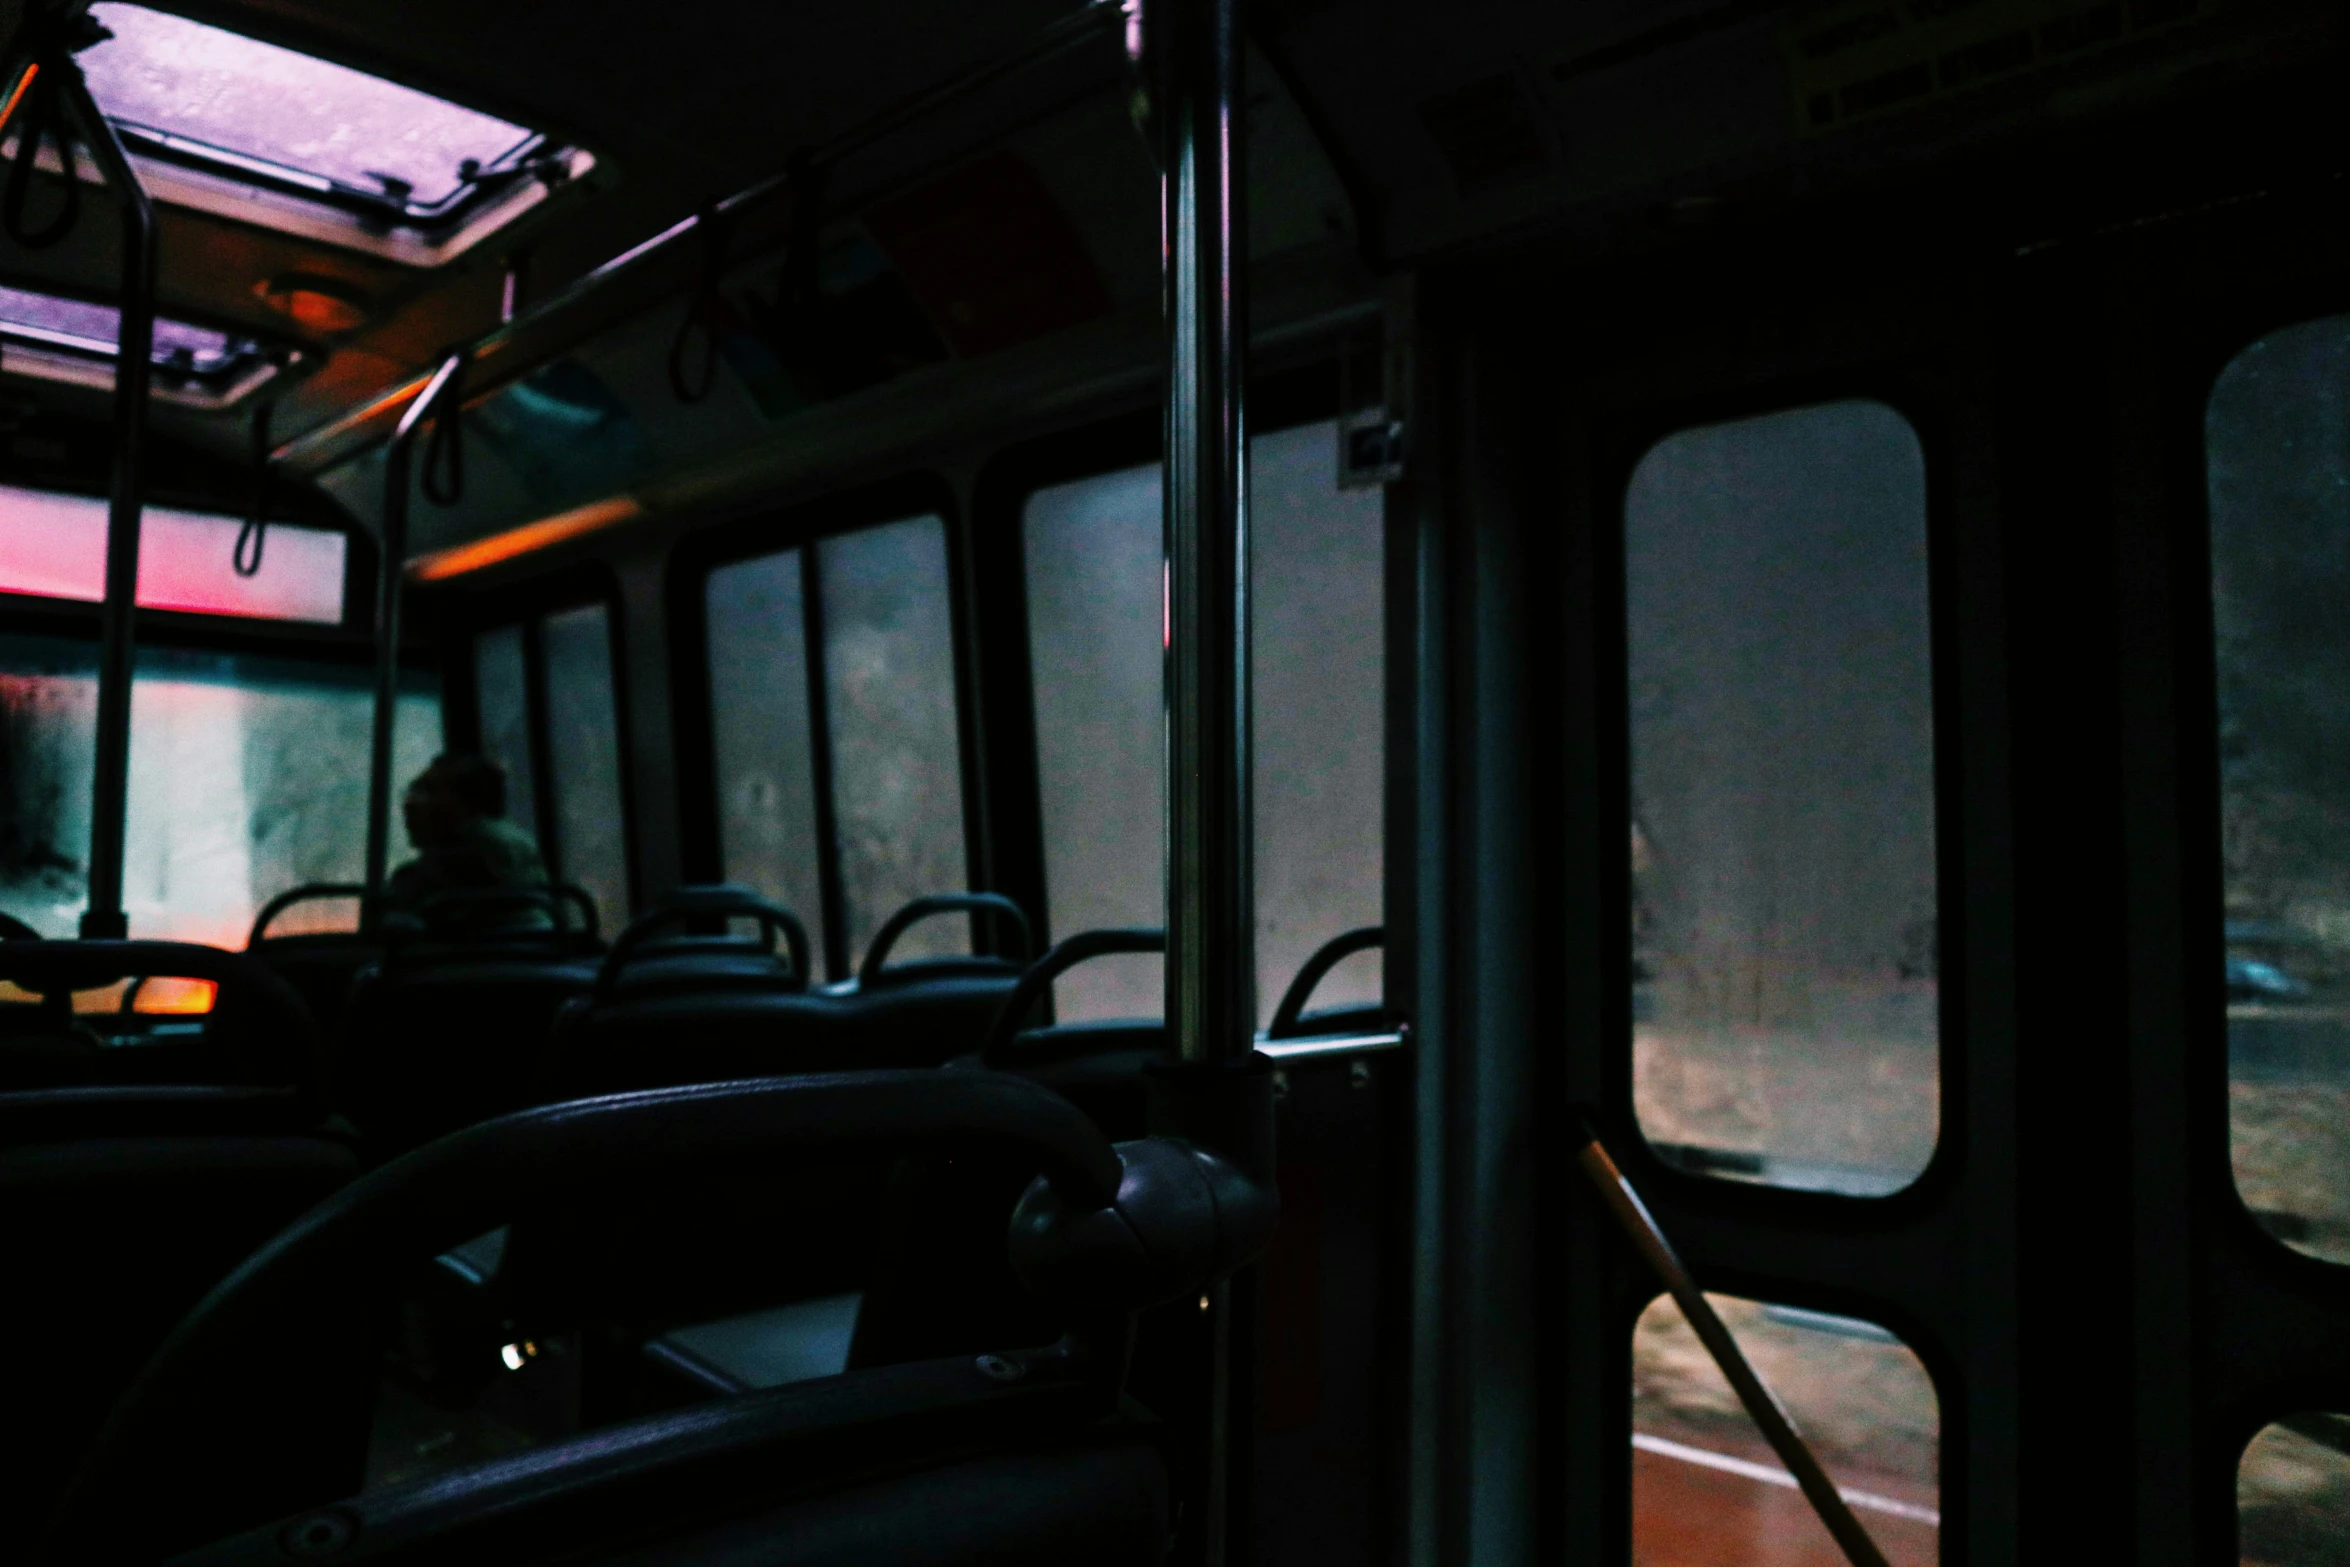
(451, 792)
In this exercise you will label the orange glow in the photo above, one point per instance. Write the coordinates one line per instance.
(159, 997)
(24, 85)
(176, 997)
(531, 536)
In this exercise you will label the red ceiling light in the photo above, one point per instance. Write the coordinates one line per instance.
(317, 304)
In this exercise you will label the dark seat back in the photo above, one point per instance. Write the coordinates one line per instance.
(660, 1017)
(258, 1405)
(448, 1027)
(123, 1202)
(1098, 1064)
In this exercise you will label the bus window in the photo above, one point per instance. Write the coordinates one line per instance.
(2293, 1494)
(543, 691)
(2277, 439)
(883, 613)
(889, 679)
(248, 776)
(583, 750)
(1707, 1491)
(759, 720)
(55, 545)
(1785, 1012)
(501, 695)
(1093, 573)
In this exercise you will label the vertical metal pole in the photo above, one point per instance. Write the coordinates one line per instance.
(1219, 1092)
(390, 571)
(118, 617)
(1211, 903)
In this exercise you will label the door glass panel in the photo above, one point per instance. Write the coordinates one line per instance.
(1708, 1491)
(1785, 1008)
(759, 717)
(501, 694)
(889, 683)
(248, 777)
(1093, 557)
(2293, 1494)
(583, 745)
(2277, 438)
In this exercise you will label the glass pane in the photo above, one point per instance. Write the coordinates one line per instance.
(583, 743)
(1708, 1491)
(1319, 665)
(501, 693)
(220, 90)
(1093, 555)
(889, 686)
(1785, 1011)
(759, 721)
(2293, 1494)
(248, 777)
(55, 545)
(95, 329)
(2277, 436)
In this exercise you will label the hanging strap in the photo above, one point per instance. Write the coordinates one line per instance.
(444, 444)
(246, 557)
(701, 313)
(42, 119)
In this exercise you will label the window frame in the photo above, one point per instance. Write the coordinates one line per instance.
(775, 530)
(526, 605)
(2284, 1296)
(1630, 441)
(1851, 1256)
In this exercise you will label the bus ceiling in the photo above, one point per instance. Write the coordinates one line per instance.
(661, 245)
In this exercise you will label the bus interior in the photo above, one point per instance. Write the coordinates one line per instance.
(1175, 781)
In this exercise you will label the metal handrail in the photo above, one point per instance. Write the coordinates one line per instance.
(1095, 16)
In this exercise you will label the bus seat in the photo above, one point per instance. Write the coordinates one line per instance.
(659, 1016)
(1291, 1020)
(320, 965)
(448, 1026)
(253, 1030)
(1096, 1064)
(122, 1202)
(257, 1407)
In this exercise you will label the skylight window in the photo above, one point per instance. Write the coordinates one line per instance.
(253, 131)
(73, 341)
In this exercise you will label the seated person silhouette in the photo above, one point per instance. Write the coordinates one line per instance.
(456, 816)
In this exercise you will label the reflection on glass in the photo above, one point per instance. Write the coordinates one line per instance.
(583, 746)
(248, 777)
(2293, 1494)
(1785, 1008)
(889, 683)
(1093, 555)
(759, 718)
(2277, 439)
(1707, 1491)
(502, 697)
(55, 545)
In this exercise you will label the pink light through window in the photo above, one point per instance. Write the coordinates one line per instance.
(55, 546)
